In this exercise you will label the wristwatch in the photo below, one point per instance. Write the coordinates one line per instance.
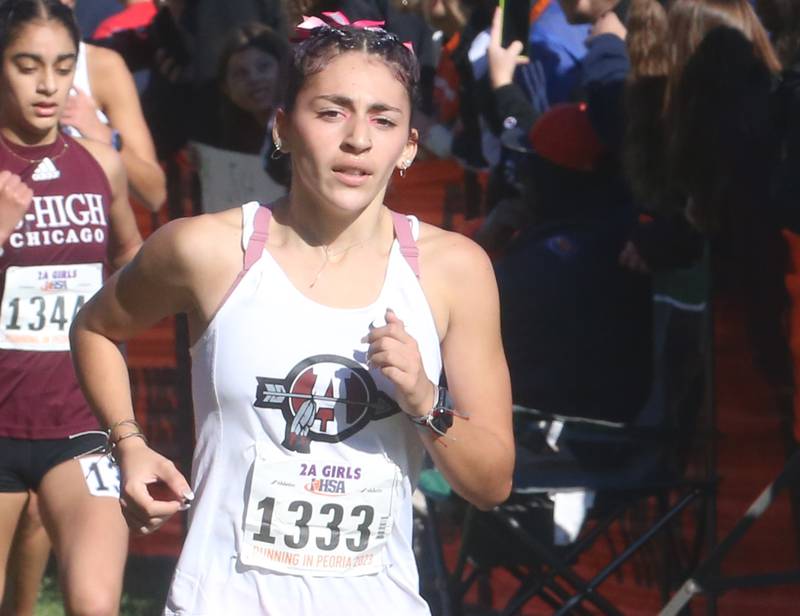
(440, 417)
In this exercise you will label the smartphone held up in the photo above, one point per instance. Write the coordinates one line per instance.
(516, 22)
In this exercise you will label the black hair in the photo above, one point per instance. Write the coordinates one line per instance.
(314, 53)
(14, 14)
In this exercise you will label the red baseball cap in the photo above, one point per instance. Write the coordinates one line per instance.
(563, 135)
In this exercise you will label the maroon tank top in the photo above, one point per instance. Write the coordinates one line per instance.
(50, 265)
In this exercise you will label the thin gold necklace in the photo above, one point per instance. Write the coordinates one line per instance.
(36, 161)
(329, 254)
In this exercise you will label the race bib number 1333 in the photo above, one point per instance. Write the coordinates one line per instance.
(312, 517)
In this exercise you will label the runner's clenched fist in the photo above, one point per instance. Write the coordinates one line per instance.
(15, 197)
(396, 354)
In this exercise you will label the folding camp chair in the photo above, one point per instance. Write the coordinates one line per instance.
(649, 474)
(515, 535)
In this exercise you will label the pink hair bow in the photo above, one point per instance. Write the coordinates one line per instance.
(336, 18)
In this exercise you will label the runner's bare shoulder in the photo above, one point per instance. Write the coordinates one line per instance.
(191, 252)
(452, 259)
(456, 274)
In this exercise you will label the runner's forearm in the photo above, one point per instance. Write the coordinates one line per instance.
(102, 374)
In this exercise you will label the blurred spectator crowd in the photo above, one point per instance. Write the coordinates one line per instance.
(624, 140)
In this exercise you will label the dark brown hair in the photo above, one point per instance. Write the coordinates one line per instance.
(691, 20)
(313, 54)
(661, 139)
(720, 144)
(643, 154)
(647, 39)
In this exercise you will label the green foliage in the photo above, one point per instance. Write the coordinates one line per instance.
(49, 598)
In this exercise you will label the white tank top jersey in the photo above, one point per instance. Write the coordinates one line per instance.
(304, 465)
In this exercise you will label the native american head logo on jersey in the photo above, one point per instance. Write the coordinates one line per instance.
(324, 398)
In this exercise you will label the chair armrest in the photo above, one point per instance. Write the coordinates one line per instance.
(584, 429)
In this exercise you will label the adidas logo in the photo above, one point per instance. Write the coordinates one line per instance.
(45, 171)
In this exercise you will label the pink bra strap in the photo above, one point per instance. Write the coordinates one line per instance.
(408, 246)
(255, 246)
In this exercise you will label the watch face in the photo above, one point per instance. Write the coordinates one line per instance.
(442, 412)
(442, 419)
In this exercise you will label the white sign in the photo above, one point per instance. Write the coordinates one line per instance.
(228, 179)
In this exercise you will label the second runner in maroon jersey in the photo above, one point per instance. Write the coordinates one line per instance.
(51, 263)
(65, 221)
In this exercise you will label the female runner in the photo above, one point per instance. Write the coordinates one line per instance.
(65, 218)
(105, 107)
(321, 325)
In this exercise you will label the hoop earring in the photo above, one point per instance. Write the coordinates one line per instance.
(276, 153)
(404, 168)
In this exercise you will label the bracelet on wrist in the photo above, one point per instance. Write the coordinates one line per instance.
(440, 418)
(129, 435)
(135, 426)
(112, 442)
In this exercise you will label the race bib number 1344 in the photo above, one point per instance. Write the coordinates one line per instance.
(41, 301)
(323, 518)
